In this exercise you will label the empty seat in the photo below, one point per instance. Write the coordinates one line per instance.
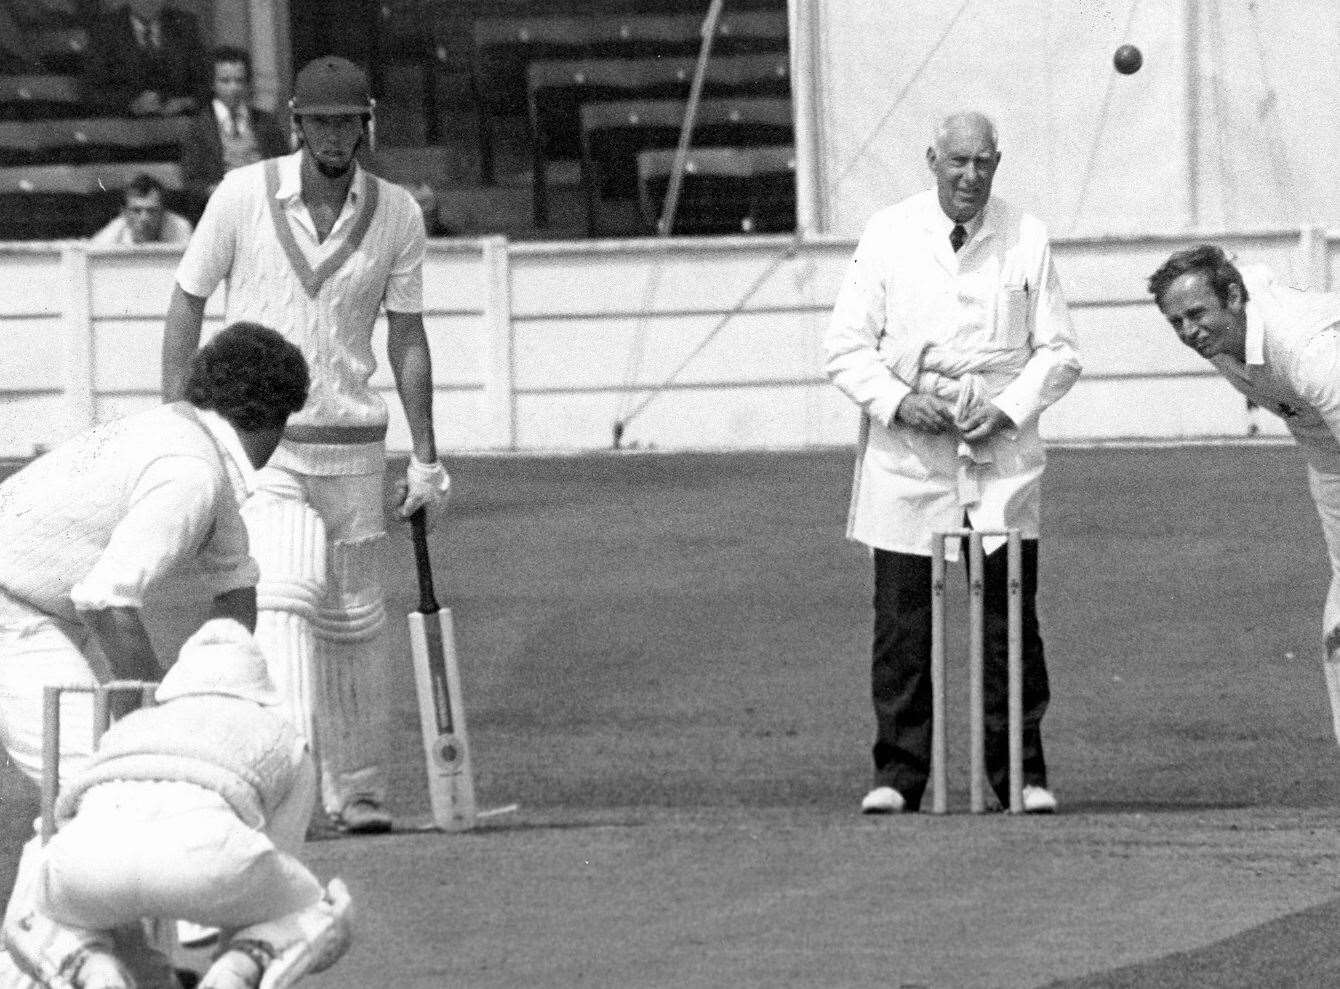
(722, 190)
(504, 47)
(557, 89)
(60, 49)
(90, 140)
(39, 97)
(614, 134)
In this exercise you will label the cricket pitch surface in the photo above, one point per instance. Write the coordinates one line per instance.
(665, 663)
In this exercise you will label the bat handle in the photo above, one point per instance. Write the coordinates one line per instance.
(418, 531)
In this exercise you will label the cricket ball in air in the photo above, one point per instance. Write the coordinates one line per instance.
(1127, 59)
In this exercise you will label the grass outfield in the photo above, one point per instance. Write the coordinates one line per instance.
(665, 662)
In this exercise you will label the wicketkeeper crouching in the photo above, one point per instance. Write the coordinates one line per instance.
(190, 810)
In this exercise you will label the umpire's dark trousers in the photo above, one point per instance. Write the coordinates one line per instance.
(900, 678)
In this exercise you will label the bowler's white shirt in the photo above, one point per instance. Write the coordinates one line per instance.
(237, 240)
(1293, 362)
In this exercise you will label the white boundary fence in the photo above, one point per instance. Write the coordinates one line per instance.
(544, 345)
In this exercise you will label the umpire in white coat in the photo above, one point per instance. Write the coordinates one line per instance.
(951, 334)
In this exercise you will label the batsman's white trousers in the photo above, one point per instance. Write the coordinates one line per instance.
(37, 649)
(342, 684)
(1326, 494)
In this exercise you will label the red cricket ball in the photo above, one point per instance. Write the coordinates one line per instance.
(1127, 59)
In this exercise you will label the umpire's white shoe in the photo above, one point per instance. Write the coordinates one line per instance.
(883, 800)
(1038, 800)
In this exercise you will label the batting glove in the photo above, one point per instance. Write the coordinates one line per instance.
(426, 485)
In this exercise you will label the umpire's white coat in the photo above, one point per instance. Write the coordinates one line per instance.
(998, 297)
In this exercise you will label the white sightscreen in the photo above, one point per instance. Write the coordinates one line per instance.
(1088, 150)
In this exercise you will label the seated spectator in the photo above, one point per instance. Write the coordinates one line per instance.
(146, 59)
(144, 219)
(426, 196)
(230, 132)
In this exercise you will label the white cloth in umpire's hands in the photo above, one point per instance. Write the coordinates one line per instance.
(426, 486)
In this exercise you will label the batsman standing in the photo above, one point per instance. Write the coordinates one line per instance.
(315, 246)
(951, 334)
(1281, 348)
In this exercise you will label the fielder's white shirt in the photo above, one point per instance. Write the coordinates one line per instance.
(906, 289)
(130, 510)
(323, 296)
(176, 230)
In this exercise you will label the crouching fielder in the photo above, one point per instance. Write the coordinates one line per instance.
(192, 810)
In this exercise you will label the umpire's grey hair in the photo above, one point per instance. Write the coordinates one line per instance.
(947, 122)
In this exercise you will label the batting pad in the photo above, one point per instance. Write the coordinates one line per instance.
(352, 710)
(300, 943)
(1331, 665)
(288, 541)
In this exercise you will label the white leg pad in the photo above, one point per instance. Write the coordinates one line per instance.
(300, 943)
(352, 653)
(60, 957)
(288, 540)
(1331, 666)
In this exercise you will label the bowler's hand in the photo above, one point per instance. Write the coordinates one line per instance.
(424, 486)
(925, 412)
(984, 423)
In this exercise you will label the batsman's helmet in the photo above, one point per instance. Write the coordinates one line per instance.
(331, 85)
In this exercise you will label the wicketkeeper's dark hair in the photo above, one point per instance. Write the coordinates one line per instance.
(1205, 258)
(250, 375)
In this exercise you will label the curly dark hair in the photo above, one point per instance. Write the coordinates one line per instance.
(1211, 261)
(250, 375)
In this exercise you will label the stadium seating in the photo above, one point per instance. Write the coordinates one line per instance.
(503, 48)
(723, 190)
(91, 140)
(557, 89)
(614, 134)
(60, 49)
(39, 97)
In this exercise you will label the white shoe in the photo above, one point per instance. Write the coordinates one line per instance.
(883, 800)
(191, 935)
(1038, 800)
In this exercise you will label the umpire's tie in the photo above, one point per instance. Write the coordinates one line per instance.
(957, 236)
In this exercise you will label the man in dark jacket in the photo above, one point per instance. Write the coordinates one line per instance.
(229, 131)
(145, 58)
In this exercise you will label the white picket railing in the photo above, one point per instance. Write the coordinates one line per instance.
(545, 345)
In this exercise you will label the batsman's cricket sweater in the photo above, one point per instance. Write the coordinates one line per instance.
(323, 296)
(126, 509)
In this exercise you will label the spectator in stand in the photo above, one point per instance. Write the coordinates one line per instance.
(426, 196)
(145, 58)
(144, 219)
(230, 132)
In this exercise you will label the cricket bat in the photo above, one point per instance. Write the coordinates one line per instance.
(446, 746)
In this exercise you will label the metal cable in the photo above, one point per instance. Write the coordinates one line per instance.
(1087, 177)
